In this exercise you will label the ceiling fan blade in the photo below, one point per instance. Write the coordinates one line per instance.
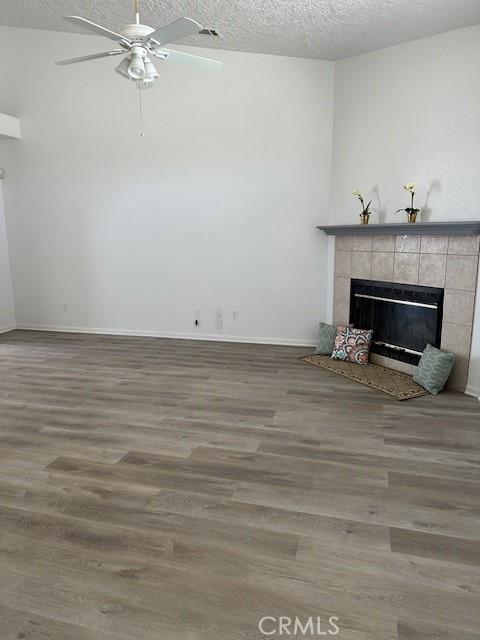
(179, 57)
(96, 28)
(93, 56)
(173, 31)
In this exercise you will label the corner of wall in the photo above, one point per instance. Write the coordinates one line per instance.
(7, 305)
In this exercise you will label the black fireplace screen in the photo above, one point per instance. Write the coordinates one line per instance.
(404, 317)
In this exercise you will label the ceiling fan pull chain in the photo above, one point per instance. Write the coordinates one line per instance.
(140, 105)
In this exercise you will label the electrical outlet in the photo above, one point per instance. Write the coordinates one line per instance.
(235, 314)
(219, 318)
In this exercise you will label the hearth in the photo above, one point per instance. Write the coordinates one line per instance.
(404, 317)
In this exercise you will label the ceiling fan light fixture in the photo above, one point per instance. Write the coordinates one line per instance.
(123, 68)
(136, 69)
(151, 74)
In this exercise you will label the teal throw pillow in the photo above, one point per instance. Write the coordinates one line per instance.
(326, 339)
(434, 368)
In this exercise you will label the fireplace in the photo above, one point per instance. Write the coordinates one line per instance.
(404, 317)
(409, 260)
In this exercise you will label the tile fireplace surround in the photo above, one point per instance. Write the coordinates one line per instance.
(449, 262)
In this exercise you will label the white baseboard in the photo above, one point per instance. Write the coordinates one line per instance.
(7, 328)
(168, 334)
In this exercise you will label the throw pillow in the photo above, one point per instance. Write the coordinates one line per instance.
(434, 368)
(326, 339)
(352, 345)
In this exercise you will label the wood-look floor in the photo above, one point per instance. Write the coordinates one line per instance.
(170, 490)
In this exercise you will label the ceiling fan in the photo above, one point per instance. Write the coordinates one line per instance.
(140, 43)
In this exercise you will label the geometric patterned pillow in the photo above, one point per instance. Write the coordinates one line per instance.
(434, 369)
(352, 345)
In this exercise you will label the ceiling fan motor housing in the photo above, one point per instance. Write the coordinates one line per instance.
(136, 32)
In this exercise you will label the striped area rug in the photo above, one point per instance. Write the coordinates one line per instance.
(397, 384)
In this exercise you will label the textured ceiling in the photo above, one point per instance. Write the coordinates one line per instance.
(324, 29)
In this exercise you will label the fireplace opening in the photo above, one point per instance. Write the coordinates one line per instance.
(404, 317)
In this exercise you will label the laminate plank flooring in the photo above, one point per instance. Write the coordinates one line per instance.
(156, 489)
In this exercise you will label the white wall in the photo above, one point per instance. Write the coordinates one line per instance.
(7, 311)
(216, 206)
(411, 113)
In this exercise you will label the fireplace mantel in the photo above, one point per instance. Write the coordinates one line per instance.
(460, 228)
